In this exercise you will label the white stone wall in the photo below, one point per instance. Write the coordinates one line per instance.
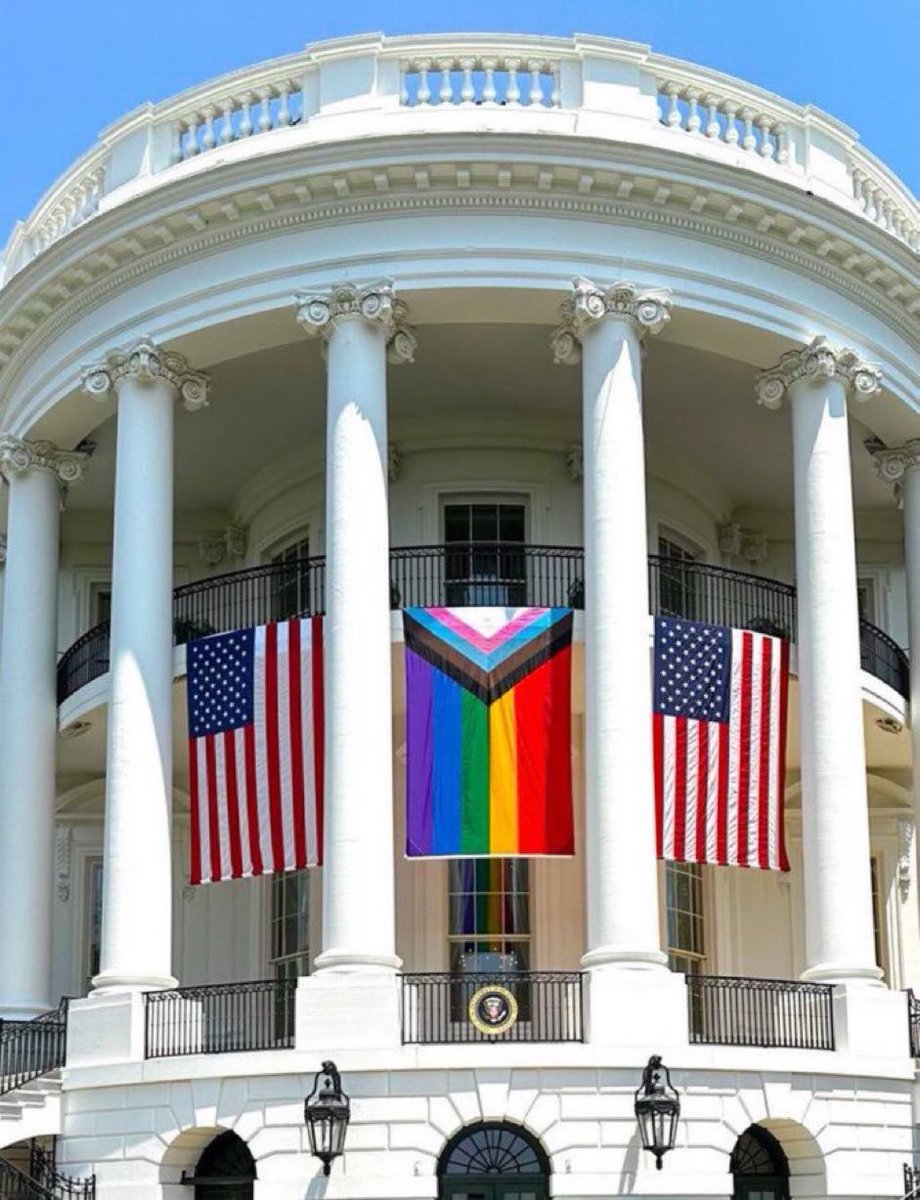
(845, 1135)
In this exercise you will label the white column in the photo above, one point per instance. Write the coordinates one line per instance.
(839, 943)
(137, 877)
(902, 465)
(358, 883)
(35, 472)
(604, 327)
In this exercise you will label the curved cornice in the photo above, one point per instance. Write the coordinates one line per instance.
(562, 176)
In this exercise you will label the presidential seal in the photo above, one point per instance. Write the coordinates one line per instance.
(493, 1009)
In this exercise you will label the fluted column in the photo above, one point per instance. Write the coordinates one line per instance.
(36, 473)
(603, 328)
(839, 941)
(137, 877)
(902, 466)
(360, 326)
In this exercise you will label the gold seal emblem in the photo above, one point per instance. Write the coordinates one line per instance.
(493, 1009)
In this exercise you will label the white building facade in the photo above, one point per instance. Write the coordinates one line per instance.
(459, 320)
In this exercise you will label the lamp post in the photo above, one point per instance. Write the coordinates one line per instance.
(657, 1108)
(326, 1113)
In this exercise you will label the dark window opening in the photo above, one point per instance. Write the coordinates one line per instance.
(759, 1166)
(493, 1161)
(226, 1170)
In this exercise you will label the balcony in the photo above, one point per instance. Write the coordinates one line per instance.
(771, 1013)
(480, 573)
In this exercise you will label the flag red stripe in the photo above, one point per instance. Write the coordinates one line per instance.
(744, 750)
(233, 804)
(680, 789)
(272, 747)
(702, 787)
(781, 756)
(194, 816)
(658, 758)
(210, 759)
(252, 799)
(319, 782)
(722, 810)
(294, 704)
(763, 799)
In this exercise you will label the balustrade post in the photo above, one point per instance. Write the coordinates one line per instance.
(36, 473)
(835, 822)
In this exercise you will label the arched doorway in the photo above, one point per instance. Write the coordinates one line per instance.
(493, 1160)
(759, 1166)
(226, 1169)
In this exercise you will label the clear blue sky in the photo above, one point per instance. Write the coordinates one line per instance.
(69, 67)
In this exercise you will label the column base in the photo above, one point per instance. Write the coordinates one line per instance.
(839, 973)
(105, 1029)
(627, 960)
(355, 962)
(343, 1011)
(871, 1021)
(646, 1009)
(111, 982)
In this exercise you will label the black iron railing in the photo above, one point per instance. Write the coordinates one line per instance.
(17, 1185)
(911, 1182)
(29, 1049)
(729, 1011)
(478, 573)
(913, 1018)
(442, 1007)
(220, 1018)
(43, 1170)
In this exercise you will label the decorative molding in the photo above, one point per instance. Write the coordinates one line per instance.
(893, 465)
(819, 360)
(17, 455)
(230, 542)
(394, 462)
(148, 361)
(98, 275)
(575, 462)
(649, 309)
(63, 855)
(320, 312)
(729, 539)
(905, 843)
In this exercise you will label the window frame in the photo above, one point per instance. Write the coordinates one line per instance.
(526, 940)
(697, 960)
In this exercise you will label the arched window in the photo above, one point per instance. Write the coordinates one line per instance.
(759, 1166)
(493, 1161)
(226, 1169)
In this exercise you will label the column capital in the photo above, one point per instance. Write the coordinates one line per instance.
(892, 465)
(320, 312)
(818, 360)
(648, 308)
(148, 361)
(17, 455)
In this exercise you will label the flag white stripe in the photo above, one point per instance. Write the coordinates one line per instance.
(693, 748)
(668, 740)
(261, 734)
(734, 748)
(204, 810)
(242, 790)
(753, 802)
(775, 799)
(222, 801)
(286, 780)
(712, 792)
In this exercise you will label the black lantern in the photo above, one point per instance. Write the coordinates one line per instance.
(326, 1112)
(657, 1109)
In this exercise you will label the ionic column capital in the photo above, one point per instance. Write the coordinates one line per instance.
(320, 312)
(147, 361)
(649, 309)
(17, 456)
(819, 360)
(892, 465)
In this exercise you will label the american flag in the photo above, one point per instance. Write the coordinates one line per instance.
(720, 703)
(255, 718)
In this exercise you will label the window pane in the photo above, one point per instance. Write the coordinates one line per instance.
(511, 523)
(484, 522)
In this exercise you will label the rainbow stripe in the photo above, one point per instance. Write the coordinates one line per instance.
(488, 731)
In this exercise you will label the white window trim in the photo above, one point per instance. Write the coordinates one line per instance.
(433, 496)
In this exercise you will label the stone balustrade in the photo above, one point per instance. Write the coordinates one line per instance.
(364, 85)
